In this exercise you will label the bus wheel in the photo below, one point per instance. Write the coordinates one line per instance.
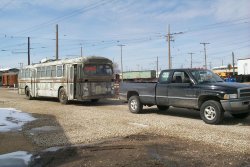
(63, 98)
(27, 93)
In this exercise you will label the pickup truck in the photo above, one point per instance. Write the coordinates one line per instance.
(198, 89)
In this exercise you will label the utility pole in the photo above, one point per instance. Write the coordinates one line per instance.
(204, 43)
(21, 65)
(233, 63)
(210, 65)
(169, 52)
(191, 54)
(28, 50)
(157, 67)
(169, 37)
(81, 50)
(121, 61)
(57, 42)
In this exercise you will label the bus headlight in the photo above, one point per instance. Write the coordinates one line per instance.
(230, 96)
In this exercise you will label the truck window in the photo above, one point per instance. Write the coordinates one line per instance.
(164, 77)
(180, 77)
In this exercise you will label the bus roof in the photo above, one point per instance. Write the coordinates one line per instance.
(90, 59)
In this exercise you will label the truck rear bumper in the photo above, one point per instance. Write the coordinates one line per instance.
(236, 106)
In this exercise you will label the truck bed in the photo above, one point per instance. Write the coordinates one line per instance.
(146, 91)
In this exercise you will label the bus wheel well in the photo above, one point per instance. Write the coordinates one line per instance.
(59, 91)
(132, 93)
(25, 89)
(206, 98)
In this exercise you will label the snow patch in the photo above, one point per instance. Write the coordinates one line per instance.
(12, 119)
(19, 158)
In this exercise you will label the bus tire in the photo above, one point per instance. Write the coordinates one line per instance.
(63, 98)
(27, 93)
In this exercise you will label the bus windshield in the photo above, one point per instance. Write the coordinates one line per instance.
(99, 69)
(206, 76)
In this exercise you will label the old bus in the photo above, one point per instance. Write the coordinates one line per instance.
(83, 78)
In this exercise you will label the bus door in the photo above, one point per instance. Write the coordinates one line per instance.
(70, 81)
(33, 82)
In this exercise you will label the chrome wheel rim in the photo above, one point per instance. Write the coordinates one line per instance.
(133, 104)
(210, 113)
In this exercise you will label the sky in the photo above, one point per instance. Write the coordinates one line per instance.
(99, 26)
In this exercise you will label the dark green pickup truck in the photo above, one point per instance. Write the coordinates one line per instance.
(197, 89)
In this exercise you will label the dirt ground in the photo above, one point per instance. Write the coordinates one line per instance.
(143, 147)
(145, 150)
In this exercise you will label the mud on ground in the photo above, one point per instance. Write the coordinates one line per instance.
(145, 150)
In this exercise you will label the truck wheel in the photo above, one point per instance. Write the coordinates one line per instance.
(211, 112)
(241, 116)
(134, 104)
(27, 93)
(63, 98)
(162, 108)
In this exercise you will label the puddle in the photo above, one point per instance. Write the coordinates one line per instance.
(12, 119)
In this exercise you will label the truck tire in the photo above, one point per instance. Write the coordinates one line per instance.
(27, 93)
(63, 98)
(211, 112)
(134, 104)
(241, 116)
(162, 108)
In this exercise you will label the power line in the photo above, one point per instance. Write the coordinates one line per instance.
(61, 18)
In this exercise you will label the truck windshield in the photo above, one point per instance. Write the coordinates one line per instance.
(100, 69)
(205, 76)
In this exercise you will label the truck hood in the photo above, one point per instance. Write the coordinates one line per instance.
(232, 85)
(228, 87)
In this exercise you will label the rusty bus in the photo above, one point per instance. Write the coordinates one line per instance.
(83, 78)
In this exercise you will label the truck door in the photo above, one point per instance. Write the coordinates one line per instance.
(161, 92)
(181, 93)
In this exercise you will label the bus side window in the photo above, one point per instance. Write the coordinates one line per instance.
(23, 73)
(59, 71)
(43, 72)
(38, 72)
(27, 73)
(53, 71)
(48, 71)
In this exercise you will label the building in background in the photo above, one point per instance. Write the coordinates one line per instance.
(9, 77)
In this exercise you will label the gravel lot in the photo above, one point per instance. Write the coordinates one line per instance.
(84, 122)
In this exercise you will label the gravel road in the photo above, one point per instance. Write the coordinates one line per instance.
(85, 122)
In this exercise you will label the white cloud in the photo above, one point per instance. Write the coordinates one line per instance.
(231, 9)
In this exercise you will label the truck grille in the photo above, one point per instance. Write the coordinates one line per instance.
(243, 93)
